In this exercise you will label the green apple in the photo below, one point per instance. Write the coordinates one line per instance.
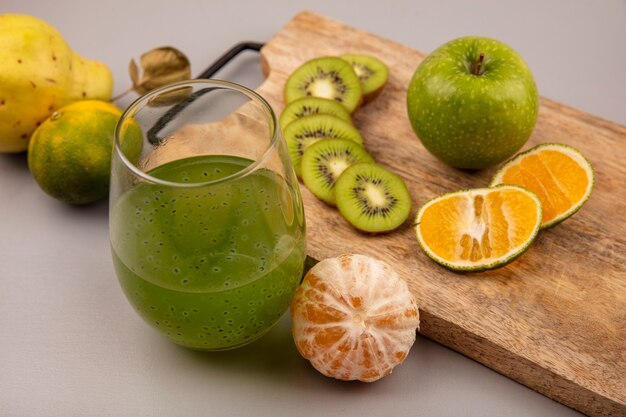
(473, 102)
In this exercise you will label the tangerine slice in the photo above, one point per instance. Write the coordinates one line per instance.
(560, 175)
(354, 318)
(474, 230)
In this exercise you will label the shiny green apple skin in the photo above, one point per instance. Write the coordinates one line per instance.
(473, 121)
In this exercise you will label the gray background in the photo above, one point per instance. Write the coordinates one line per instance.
(70, 345)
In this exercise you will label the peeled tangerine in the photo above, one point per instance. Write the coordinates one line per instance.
(39, 73)
(354, 318)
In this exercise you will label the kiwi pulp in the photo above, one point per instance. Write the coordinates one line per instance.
(307, 130)
(372, 73)
(372, 198)
(324, 161)
(308, 106)
(326, 77)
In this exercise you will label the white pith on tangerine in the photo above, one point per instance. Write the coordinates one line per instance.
(354, 318)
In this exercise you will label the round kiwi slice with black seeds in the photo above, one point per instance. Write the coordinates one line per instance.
(308, 106)
(324, 161)
(303, 132)
(372, 198)
(372, 72)
(326, 77)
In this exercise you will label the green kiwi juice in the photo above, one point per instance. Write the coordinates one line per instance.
(211, 267)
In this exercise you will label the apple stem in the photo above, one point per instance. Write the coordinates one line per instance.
(479, 63)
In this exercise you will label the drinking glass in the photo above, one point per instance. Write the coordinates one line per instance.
(206, 220)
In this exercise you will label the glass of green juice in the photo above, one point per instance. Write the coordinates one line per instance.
(206, 220)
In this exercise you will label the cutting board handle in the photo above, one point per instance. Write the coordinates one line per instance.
(229, 55)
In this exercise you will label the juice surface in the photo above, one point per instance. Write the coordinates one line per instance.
(211, 266)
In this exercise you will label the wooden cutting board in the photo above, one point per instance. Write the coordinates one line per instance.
(554, 320)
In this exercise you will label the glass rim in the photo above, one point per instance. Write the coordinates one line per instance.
(253, 95)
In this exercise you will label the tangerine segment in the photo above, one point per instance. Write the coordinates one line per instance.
(354, 318)
(478, 229)
(560, 176)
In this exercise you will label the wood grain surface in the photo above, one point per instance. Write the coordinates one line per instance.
(554, 320)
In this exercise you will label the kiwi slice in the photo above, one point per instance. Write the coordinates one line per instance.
(308, 106)
(327, 77)
(325, 160)
(307, 130)
(372, 198)
(372, 72)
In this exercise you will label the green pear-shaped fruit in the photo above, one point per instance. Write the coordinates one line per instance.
(40, 73)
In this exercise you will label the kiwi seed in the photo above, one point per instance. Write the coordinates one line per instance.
(326, 77)
(371, 198)
(308, 106)
(372, 72)
(307, 130)
(325, 160)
